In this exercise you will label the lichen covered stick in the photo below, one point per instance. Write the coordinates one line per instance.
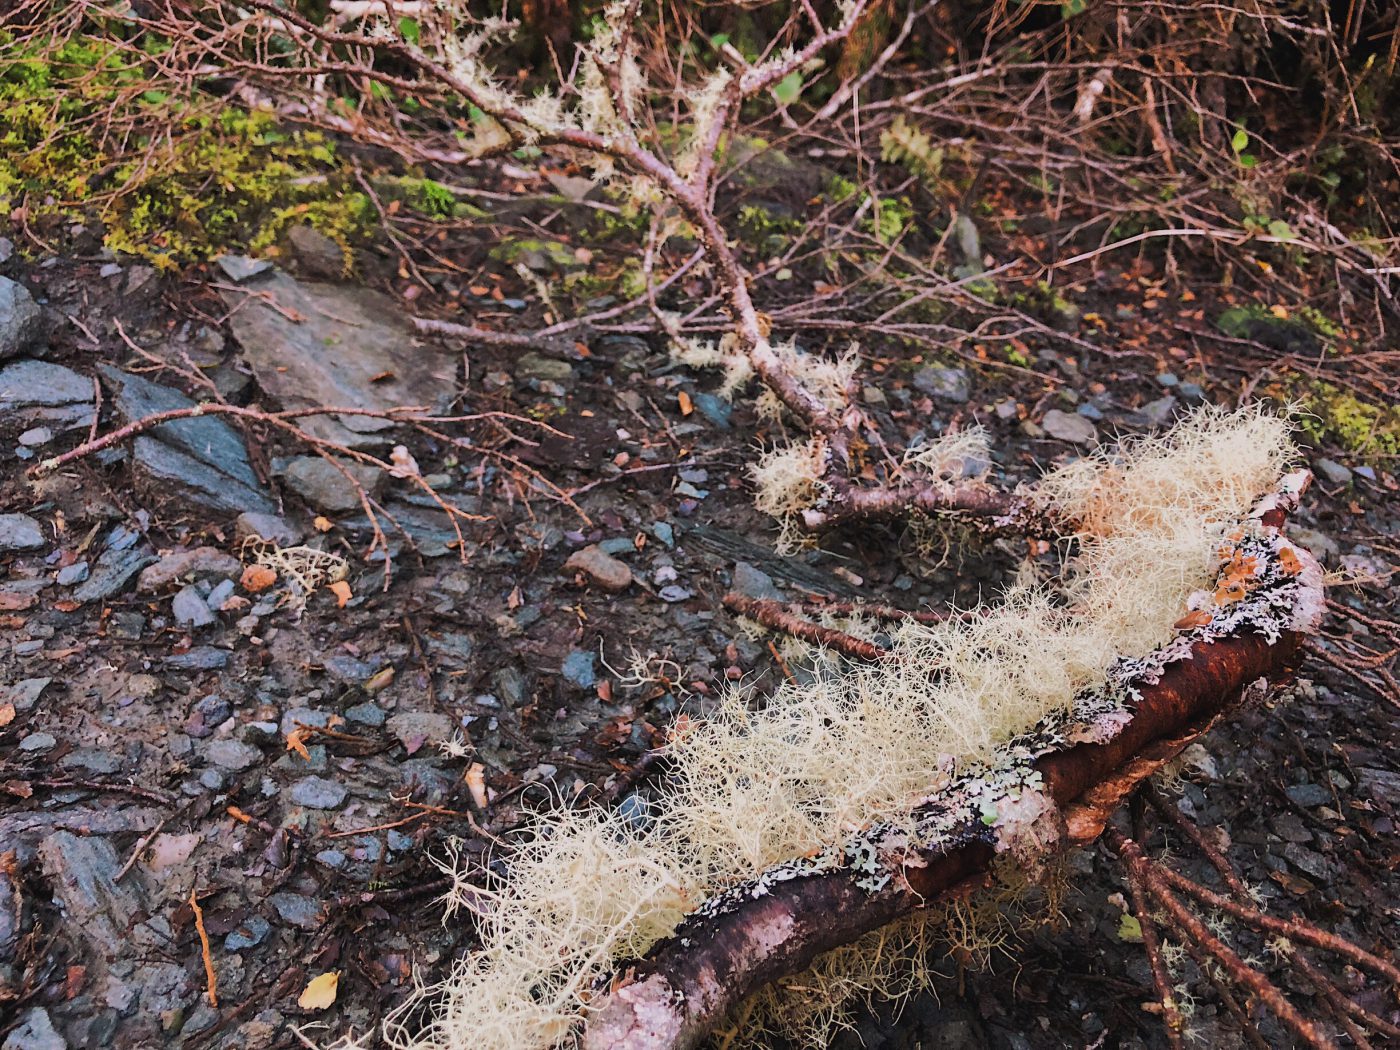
(1025, 806)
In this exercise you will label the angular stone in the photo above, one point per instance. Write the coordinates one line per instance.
(38, 391)
(201, 561)
(315, 254)
(233, 755)
(413, 729)
(755, 583)
(34, 1032)
(318, 345)
(82, 872)
(20, 532)
(603, 569)
(190, 609)
(318, 793)
(21, 320)
(111, 573)
(199, 658)
(269, 527)
(531, 365)
(197, 481)
(326, 488)
(297, 909)
(1333, 472)
(1065, 426)
(946, 384)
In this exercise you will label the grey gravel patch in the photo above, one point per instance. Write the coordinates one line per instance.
(322, 485)
(20, 532)
(1065, 426)
(318, 793)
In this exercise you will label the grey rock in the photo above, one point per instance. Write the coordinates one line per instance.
(207, 438)
(9, 916)
(1308, 795)
(317, 345)
(755, 583)
(600, 567)
(580, 668)
(21, 320)
(304, 716)
(269, 527)
(91, 760)
(1379, 784)
(233, 755)
(1333, 472)
(431, 530)
(714, 408)
(222, 592)
(366, 714)
(248, 934)
(199, 658)
(315, 254)
(1161, 412)
(531, 365)
(40, 392)
(35, 1030)
(414, 729)
(190, 564)
(510, 685)
(240, 268)
(37, 742)
(318, 793)
(82, 872)
(25, 693)
(945, 384)
(296, 909)
(331, 858)
(110, 574)
(190, 609)
(207, 715)
(346, 669)
(20, 532)
(35, 437)
(204, 456)
(673, 593)
(324, 487)
(636, 811)
(1064, 426)
(72, 575)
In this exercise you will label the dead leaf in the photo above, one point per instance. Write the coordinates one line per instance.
(341, 590)
(7, 714)
(322, 523)
(687, 406)
(475, 778)
(257, 578)
(1195, 618)
(403, 463)
(320, 991)
(12, 601)
(296, 741)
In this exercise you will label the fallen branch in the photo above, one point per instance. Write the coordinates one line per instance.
(779, 923)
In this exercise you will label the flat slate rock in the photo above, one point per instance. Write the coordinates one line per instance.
(39, 391)
(204, 456)
(323, 345)
(21, 320)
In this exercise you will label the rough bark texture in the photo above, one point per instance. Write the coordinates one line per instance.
(687, 983)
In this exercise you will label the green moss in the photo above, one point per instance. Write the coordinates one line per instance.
(179, 184)
(1329, 413)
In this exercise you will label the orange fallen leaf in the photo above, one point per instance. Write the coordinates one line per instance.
(475, 778)
(341, 590)
(257, 578)
(320, 991)
(322, 523)
(296, 741)
(238, 815)
(7, 714)
(687, 406)
(1195, 618)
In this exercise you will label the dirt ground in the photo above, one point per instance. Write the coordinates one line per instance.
(145, 758)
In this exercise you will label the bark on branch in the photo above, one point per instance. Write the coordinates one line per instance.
(779, 924)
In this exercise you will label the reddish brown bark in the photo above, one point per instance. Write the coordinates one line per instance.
(689, 982)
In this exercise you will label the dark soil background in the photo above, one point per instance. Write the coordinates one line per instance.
(144, 753)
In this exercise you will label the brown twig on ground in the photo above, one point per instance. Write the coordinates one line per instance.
(773, 616)
(1151, 945)
(210, 977)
